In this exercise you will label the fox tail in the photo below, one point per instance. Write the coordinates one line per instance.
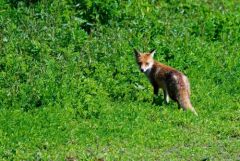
(186, 105)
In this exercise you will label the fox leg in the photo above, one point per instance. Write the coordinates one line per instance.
(155, 91)
(166, 96)
(165, 92)
(155, 88)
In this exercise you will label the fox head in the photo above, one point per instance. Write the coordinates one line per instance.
(145, 60)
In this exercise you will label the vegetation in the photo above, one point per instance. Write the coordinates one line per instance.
(70, 88)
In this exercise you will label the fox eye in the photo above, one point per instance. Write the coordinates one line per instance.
(147, 64)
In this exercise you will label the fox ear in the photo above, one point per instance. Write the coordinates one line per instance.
(152, 52)
(137, 53)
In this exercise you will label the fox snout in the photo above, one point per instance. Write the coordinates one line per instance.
(143, 70)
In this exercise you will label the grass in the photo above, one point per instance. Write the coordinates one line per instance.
(122, 132)
(71, 89)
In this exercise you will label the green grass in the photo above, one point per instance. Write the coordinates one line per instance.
(70, 87)
(122, 132)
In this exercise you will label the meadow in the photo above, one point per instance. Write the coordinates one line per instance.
(70, 88)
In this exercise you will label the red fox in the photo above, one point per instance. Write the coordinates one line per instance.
(173, 82)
